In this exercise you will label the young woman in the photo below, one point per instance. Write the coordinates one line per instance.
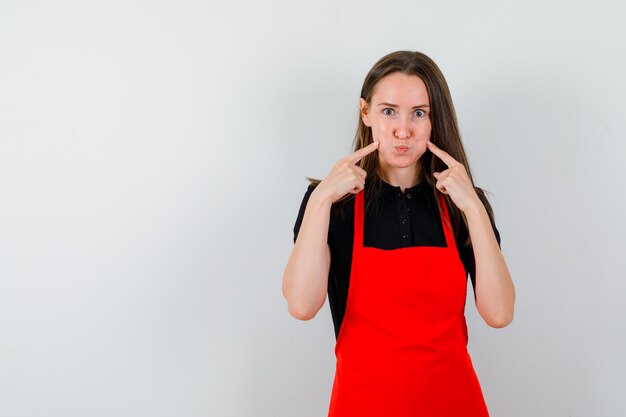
(391, 234)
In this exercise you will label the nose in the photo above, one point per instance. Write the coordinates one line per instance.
(403, 129)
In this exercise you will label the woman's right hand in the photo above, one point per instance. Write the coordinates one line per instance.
(345, 176)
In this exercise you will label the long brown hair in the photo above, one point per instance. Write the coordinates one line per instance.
(444, 134)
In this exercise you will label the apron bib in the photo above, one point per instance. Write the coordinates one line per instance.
(402, 346)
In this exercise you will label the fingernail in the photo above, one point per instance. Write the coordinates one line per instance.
(429, 142)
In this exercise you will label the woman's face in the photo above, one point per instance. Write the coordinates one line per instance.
(399, 115)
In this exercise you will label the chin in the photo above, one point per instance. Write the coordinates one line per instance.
(401, 161)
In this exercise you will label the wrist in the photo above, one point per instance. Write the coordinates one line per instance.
(476, 210)
(320, 198)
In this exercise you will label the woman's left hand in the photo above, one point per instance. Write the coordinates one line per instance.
(455, 182)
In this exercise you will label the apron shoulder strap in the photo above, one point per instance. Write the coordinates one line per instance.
(359, 218)
(447, 230)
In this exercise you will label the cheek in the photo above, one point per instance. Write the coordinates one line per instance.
(428, 127)
(421, 149)
(386, 144)
(378, 127)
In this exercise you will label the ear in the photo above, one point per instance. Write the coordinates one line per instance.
(364, 112)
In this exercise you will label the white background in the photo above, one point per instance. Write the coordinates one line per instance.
(152, 162)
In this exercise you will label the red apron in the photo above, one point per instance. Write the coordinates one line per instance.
(402, 345)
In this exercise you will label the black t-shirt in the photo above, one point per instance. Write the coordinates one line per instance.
(400, 220)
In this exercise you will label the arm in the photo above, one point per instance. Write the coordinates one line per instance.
(495, 294)
(305, 280)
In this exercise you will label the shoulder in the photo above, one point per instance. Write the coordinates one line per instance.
(341, 214)
(300, 216)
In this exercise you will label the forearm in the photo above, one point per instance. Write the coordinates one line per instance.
(305, 279)
(495, 292)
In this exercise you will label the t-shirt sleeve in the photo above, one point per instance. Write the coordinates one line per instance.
(305, 200)
(467, 255)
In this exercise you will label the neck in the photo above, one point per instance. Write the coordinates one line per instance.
(400, 177)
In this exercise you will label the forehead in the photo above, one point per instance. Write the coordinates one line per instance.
(400, 89)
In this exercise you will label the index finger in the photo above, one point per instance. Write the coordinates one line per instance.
(443, 155)
(360, 153)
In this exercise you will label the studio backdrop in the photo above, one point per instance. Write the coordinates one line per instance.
(153, 157)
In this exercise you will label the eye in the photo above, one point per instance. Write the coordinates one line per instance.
(388, 111)
(420, 113)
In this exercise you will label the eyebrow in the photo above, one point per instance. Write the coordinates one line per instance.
(394, 105)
